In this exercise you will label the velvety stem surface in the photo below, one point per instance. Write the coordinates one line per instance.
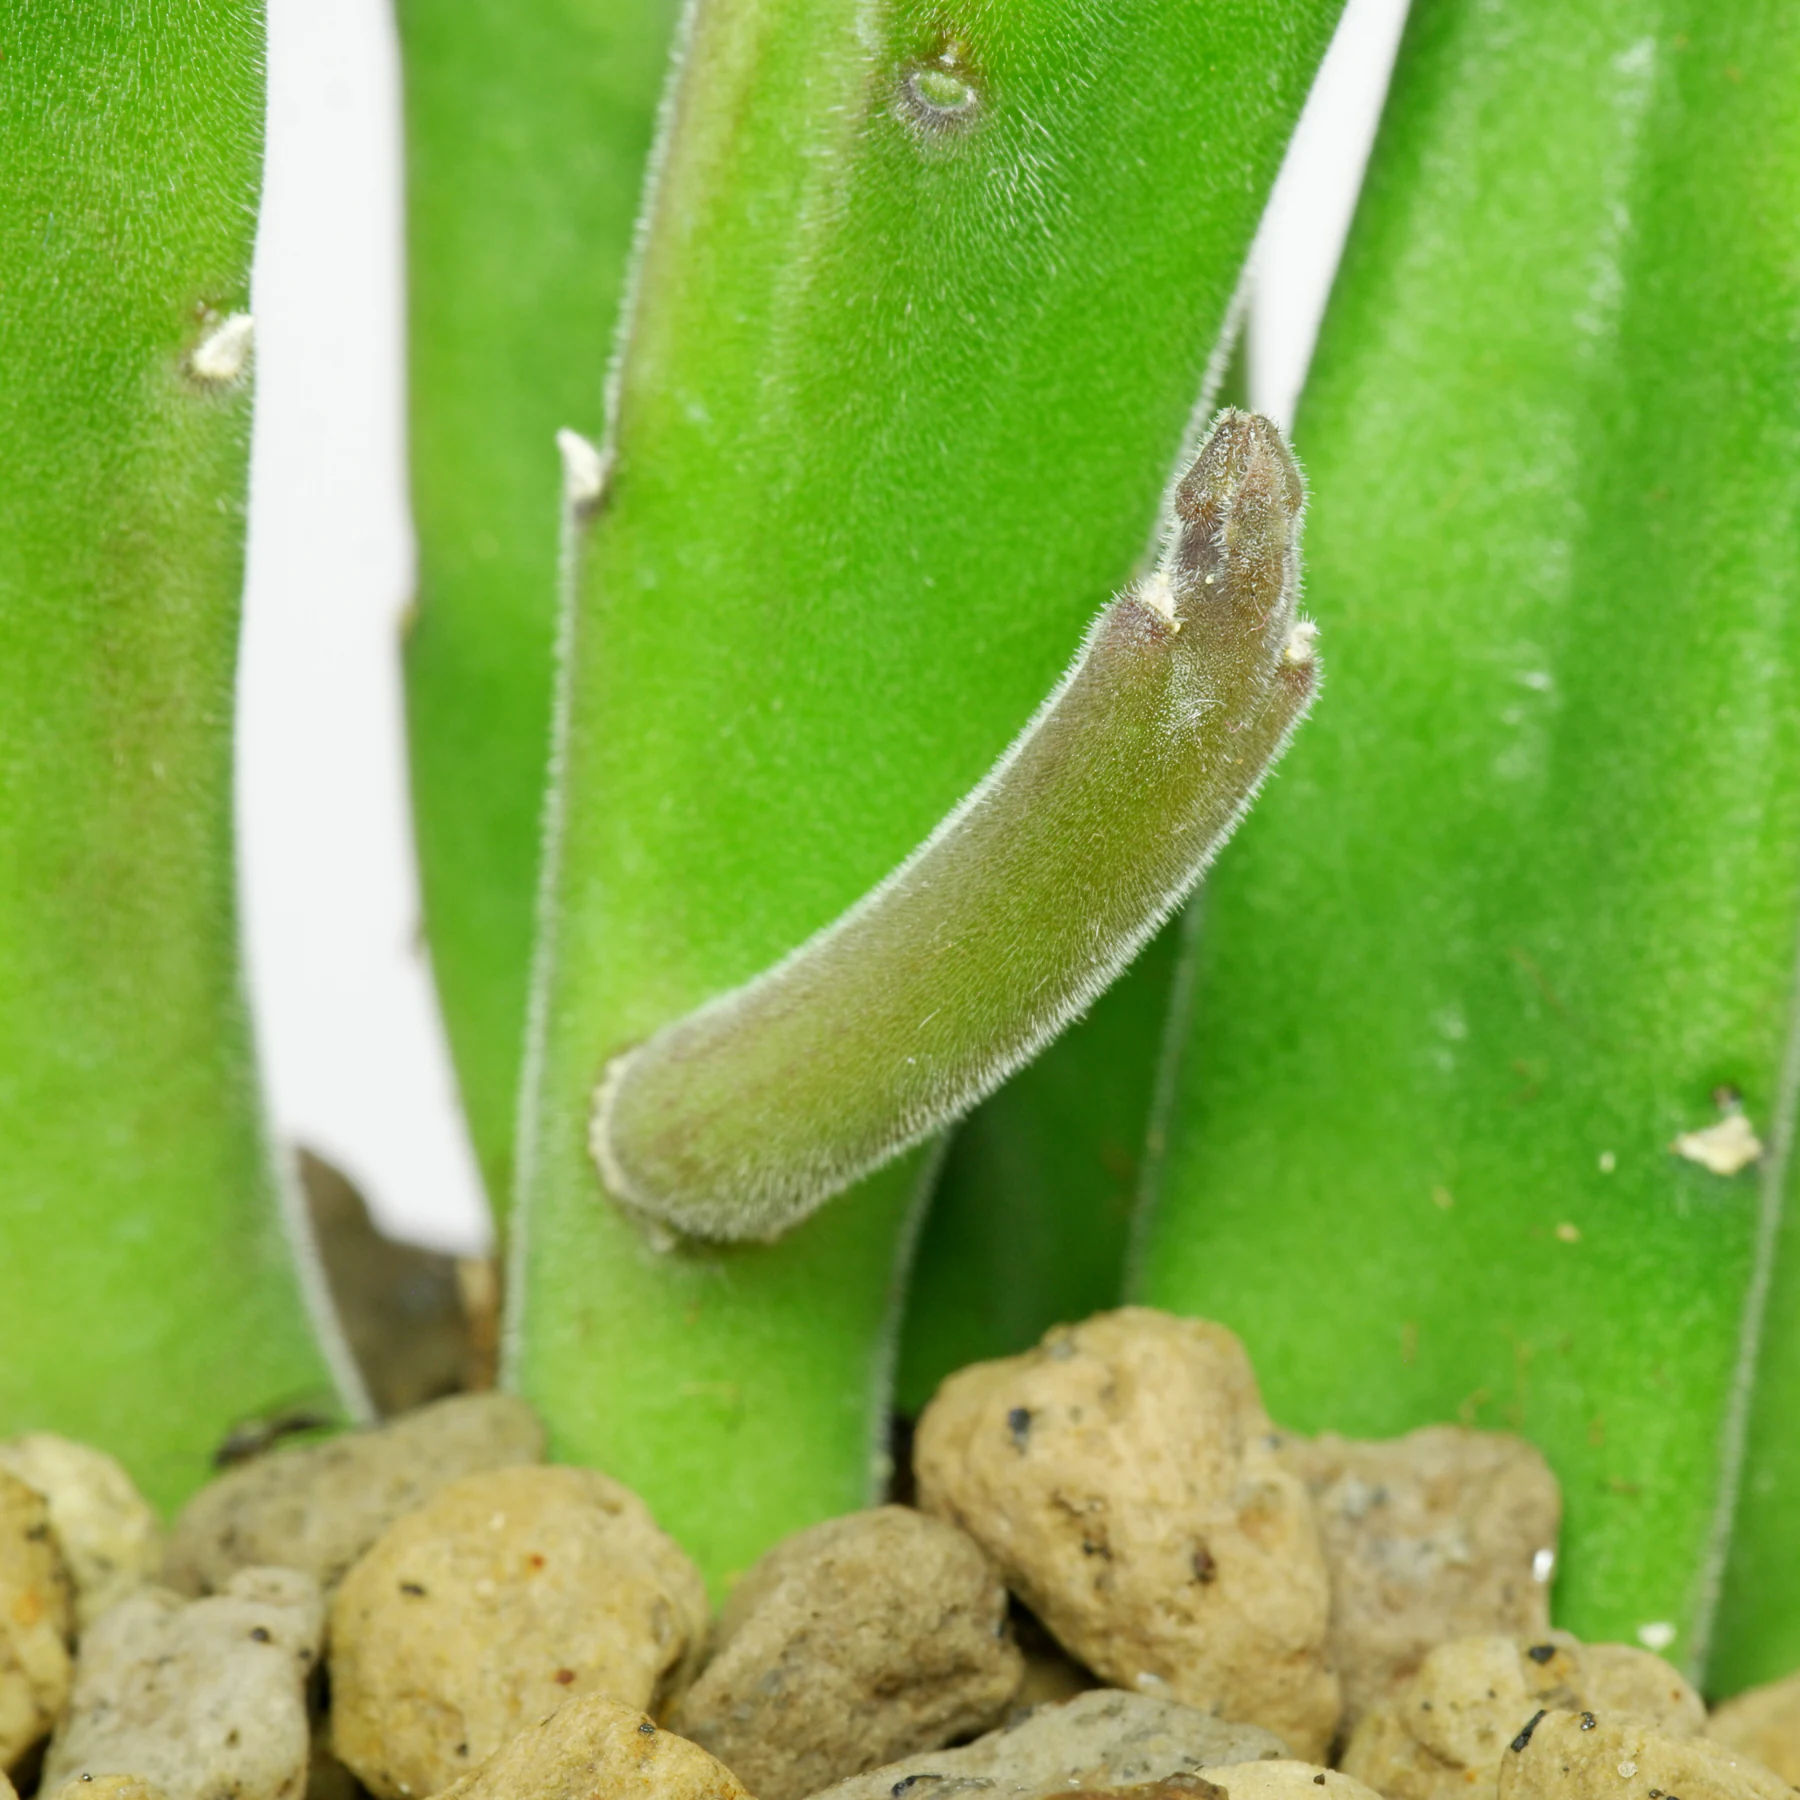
(146, 1285)
(915, 351)
(1528, 891)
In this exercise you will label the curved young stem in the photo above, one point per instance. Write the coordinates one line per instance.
(1030, 1221)
(1025, 903)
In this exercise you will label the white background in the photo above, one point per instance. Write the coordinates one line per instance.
(351, 1041)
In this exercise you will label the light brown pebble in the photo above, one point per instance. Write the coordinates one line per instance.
(1098, 1740)
(1621, 1678)
(110, 1537)
(595, 1749)
(1286, 1780)
(505, 1596)
(109, 1787)
(1589, 1756)
(198, 1698)
(1124, 1476)
(849, 1644)
(318, 1507)
(36, 1619)
(1443, 1533)
(1763, 1722)
(1443, 1733)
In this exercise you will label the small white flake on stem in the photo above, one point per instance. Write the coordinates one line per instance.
(1726, 1148)
(221, 357)
(586, 469)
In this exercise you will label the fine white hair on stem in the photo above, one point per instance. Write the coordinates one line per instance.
(742, 1118)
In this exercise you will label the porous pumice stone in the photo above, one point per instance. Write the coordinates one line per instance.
(110, 1537)
(1102, 1739)
(36, 1621)
(1764, 1723)
(851, 1643)
(595, 1749)
(1443, 1533)
(200, 1698)
(1588, 1756)
(493, 1604)
(1126, 1479)
(318, 1507)
(1443, 1733)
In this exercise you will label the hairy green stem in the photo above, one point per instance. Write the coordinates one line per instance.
(1528, 895)
(898, 290)
(147, 1285)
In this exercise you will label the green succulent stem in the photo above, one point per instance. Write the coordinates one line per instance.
(907, 370)
(1524, 907)
(148, 1285)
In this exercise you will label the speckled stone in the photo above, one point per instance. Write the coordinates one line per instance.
(318, 1507)
(595, 1749)
(1443, 1533)
(1101, 1739)
(849, 1644)
(1589, 1756)
(505, 1596)
(1764, 1723)
(203, 1698)
(1125, 1477)
(1442, 1734)
(110, 1537)
(36, 1621)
